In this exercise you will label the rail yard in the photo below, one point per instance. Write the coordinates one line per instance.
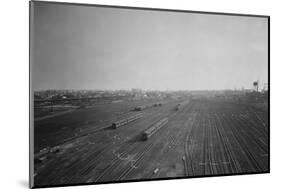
(150, 139)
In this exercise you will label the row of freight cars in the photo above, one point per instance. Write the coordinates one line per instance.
(147, 133)
(151, 130)
(140, 108)
(122, 122)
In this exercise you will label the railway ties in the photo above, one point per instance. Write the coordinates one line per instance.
(85, 133)
(229, 164)
(224, 143)
(253, 147)
(121, 170)
(204, 152)
(210, 158)
(126, 150)
(173, 136)
(116, 165)
(94, 162)
(255, 136)
(136, 162)
(243, 142)
(256, 127)
(226, 156)
(207, 151)
(208, 139)
(188, 148)
(223, 158)
(120, 160)
(255, 114)
(77, 168)
(210, 150)
(201, 148)
(247, 158)
(213, 161)
(230, 146)
(75, 171)
(172, 141)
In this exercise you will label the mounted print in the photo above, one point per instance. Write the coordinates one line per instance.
(122, 94)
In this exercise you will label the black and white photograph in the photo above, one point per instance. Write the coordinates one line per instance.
(123, 94)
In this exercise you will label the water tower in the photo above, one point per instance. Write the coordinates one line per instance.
(256, 85)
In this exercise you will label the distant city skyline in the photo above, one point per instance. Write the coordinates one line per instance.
(79, 47)
(151, 90)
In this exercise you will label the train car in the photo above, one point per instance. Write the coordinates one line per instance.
(139, 108)
(157, 104)
(119, 123)
(122, 122)
(177, 107)
(153, 129)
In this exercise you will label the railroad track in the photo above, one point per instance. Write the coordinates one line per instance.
(127, 172)
(136, 163)
(253, 113)
(218, 139)
(115, 161)
(263, 147)
(116, 171)
(228, 157)
(93, 160)
(69, 173)
(220, 147)
(188, 150)
(175, 137)
(224, 142)
(253, 124)
(90, 132)
(248, 156)
(86, 132)
(252, 143)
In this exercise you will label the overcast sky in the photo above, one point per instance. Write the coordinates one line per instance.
(80, 47)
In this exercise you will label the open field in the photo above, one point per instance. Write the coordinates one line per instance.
(203, 136)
